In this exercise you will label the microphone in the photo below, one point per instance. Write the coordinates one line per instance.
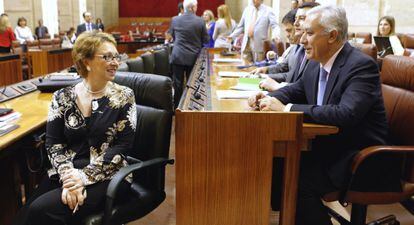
(196, 93)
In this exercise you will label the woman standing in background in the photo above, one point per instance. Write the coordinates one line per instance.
(100, 25)
(208, 17)
(6, 35)
(223, 28)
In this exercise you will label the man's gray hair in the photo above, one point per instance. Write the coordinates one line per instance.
(187, 4)
(331, 18)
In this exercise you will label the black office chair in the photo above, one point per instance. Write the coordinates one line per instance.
(148, 159)
(123, 67)
(136, 65)
(149, 62)
(162, 64)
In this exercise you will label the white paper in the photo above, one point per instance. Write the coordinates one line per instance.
(230, 94)
(233, 74)
(228, 60)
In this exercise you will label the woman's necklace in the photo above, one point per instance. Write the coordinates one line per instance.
(92, 92)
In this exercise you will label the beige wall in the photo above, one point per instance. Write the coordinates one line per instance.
(68, 12)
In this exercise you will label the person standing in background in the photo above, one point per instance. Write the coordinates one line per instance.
(22, 31)
(256, 20)
(6, 35)
(87, 26)
(100, 25)
(189, 34)
(208, 17)
(223, 28)
(41, 30)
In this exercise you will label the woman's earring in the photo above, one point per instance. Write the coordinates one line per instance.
(88, 68)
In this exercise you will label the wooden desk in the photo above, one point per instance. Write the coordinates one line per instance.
(46, 61)
(34, 109)
(11, 69)
(224, 156)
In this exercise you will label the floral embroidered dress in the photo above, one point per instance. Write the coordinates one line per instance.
(95, 145)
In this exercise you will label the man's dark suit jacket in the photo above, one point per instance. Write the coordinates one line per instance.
(82, 28)
(352, 101)
(189, 33)
(296, 68)
(40, 32)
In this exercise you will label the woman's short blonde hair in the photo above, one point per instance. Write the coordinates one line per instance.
(86, 46)
(210, 14)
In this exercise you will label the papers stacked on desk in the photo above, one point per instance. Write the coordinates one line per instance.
(8, 122)
(227, 60)
(232, 94)
(233, 74)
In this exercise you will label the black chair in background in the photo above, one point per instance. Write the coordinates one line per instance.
(162, 62)
(150, 155)
(136, 65)
(149, 62)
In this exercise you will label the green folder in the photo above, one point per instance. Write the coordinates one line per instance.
(247, 84)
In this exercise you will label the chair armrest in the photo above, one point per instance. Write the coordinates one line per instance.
(368, 152)
(121, 174)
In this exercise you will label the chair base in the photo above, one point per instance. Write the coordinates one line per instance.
(358, 217)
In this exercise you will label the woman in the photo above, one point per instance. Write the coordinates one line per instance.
(22, 31)
(6, 35)
(99, 24)
(386, 28)
(69, 38)
(223, 28)
(208, 17)
(89, 131)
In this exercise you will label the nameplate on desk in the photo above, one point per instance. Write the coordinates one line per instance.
(232, 94)
(233, 74)
(63, 76)
(227, 60)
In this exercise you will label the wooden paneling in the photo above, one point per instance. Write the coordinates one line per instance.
(46, 61)
(10, 69)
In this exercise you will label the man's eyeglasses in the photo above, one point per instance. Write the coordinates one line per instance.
(109, 58)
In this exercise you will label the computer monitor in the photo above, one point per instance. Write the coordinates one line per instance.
(384, 46)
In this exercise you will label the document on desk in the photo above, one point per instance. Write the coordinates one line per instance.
(233, 74)
(233, 94)
(247, 84)
(228, 60)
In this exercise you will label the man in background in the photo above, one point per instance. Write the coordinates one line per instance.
(255, 23)
(41, 30)
(189, 34)
(87, 26)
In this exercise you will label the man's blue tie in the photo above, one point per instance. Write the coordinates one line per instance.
(322, 85)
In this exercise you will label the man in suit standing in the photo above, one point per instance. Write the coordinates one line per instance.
(255, 23)
(189, 34)
(87, 26)
(41, 30)
(341, 87)
(290, 71)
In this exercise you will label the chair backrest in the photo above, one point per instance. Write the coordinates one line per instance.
(407, 40)
(57, 42)
(149, 62)
(277, 46)
(123, 67)
(369, 49)
(366, 36)
(32, 44)
(397, 76)
(45, 43)
(153, 95)
(162, 62)
(136, 65)
(17, 48)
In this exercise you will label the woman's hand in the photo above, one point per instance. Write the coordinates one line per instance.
(73, 198)
(72, 180)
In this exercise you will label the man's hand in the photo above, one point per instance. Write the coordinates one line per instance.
(270, 85)
(270, 104)
(254, 100)
(259, 70)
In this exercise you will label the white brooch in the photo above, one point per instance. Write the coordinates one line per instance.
(95, 105)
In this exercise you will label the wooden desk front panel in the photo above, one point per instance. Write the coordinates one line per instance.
(11, 71)
(223, 164)
(49, 61)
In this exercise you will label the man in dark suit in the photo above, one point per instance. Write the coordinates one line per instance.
(87, 26)
(41, 30)
(341, 87)
(189, 34)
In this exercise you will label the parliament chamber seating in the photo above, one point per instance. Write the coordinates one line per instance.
(32, 44)
(407, 41)
(136, 65)
(46, 44)
(149, 62)
(277, 46)
(398, 91)
(26, 60)
(369, 49)
(162, 62)
(153, 95)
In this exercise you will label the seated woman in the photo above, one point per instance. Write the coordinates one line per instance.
(90, 130)
(22, 31)
(386, 28)
(223, 28)
(208, 17)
